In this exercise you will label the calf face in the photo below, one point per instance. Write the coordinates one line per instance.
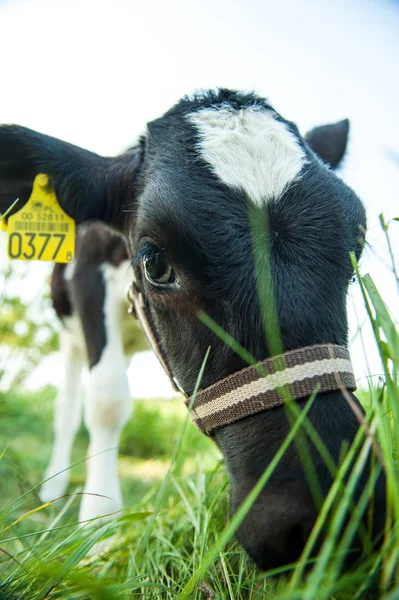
(186, 197)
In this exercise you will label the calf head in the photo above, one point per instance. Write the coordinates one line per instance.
(185, 197)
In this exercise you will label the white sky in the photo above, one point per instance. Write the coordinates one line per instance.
(93, 73)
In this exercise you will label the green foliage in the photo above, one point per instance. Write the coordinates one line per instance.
(155, 430)
(14, 313)
(28, 328)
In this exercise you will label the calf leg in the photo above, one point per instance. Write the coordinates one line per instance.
(109, 404)
(67, 417)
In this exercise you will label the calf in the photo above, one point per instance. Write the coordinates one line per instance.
(89, 297)
(228, 210)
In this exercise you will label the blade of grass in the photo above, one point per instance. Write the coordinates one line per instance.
(9, 209)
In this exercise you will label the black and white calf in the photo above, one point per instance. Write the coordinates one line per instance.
(183, 196)
(89, 296)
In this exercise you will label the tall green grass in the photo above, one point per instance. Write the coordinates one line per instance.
(175, 540)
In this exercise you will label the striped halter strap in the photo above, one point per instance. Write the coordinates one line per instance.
(290, 376)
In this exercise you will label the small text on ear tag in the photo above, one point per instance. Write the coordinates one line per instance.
(41, 230)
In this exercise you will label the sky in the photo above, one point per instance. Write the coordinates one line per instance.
(93, 73)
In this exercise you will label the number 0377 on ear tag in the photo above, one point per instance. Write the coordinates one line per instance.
(41, 230)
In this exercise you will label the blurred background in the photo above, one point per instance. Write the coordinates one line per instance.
(93, 73)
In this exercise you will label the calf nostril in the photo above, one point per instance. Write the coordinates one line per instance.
(277, 527)
(275, 542)
(295, 541)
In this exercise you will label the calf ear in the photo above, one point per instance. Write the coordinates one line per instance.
(329, 142)
(88, 186)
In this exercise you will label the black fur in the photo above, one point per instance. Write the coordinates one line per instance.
(59, 292)
(329, 142)
(84, 293)
(90, 186)
(163, 191)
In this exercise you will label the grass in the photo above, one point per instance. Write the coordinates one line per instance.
(174, 540)
(45, 554)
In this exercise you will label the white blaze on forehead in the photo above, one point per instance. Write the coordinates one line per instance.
(249, 149)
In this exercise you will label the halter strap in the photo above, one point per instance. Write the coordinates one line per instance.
(292, 375)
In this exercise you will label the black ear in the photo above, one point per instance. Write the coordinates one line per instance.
(87, 186)
(329, 142)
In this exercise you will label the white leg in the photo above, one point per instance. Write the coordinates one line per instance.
(67, 418)
(109, 406)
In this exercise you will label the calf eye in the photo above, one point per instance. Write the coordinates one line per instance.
(158, 269)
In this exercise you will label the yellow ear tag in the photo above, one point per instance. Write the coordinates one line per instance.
(41, 230)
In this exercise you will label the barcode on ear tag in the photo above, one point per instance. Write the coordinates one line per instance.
(41, 230)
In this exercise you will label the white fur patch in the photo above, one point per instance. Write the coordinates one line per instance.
(249, 149)
(68, 411)
(69, 271)
(109, 404)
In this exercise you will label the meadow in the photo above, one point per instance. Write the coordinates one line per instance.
(157, 543)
